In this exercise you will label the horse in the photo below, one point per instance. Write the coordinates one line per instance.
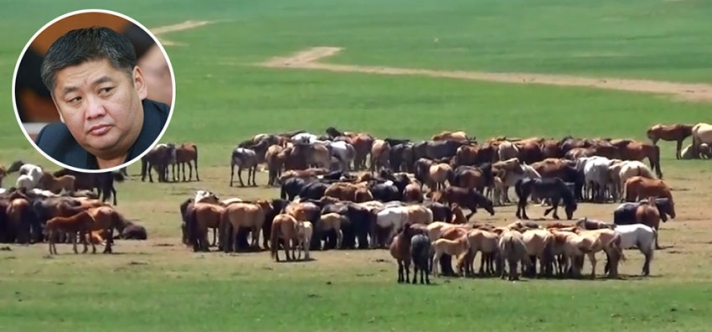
(467, 198)
(512, 250)
(552, 188)
(674, 132)
(284, 227)
(244, 158)
(638, 236)
(56, 184)
(102, 182)
(187, 153)
(701, 133)
(81, 223)
(158, 158)
(304, 235)
(420, 253)
(632, 150)
(456, 247)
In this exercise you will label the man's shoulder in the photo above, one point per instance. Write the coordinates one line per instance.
(56, 141)
(54, 135)
(158, 110)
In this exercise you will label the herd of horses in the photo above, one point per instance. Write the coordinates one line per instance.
(345, 190)
(57, 206)
(412, 190)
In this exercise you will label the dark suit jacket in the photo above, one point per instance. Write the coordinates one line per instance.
(56, 140)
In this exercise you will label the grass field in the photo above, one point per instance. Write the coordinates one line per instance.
(224, 97)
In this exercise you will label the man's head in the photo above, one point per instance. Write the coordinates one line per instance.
(97, 88)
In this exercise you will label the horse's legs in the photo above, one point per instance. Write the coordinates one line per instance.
(646, 265)
(109, 241)
(239, 175)
(592, 259)
(83, 235)
(74, 241)
(232, 173)
(288, 245)
(400, 271)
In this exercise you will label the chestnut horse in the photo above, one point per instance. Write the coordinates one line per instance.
(633, 150)
(81, 223)
(675, 132)
(187, 153)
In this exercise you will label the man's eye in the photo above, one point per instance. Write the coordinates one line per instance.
(74, 100)
(105, 90)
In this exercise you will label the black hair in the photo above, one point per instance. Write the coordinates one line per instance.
(88, 44)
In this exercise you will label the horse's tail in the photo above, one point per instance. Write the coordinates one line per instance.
(273, 245)
(651, 248)
(616, 245)
(192, 228)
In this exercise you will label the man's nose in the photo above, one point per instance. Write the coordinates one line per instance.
(95, 108)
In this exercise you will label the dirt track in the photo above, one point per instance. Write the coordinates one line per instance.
(308, 59)
(177, 27)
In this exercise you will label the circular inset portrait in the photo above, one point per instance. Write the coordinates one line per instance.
(93, 91)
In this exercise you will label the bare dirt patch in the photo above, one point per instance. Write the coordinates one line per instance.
(177, 27)
(308, 59)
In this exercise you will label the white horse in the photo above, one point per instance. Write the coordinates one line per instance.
(596, 174)
(304, 235)
(204, 195)
(30, 175)
(639, 236)
(393, 217)
(511, 179)
(629, 169)
(344, 151)
(311, 138)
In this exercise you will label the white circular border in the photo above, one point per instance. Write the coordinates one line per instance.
(17, 113)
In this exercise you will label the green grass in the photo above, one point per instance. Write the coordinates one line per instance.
(223, 99)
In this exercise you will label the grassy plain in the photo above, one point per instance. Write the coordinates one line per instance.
(222, 98)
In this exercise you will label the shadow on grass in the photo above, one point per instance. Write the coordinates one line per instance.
(303, 260)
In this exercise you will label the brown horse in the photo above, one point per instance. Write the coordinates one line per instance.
(675, 132)
(647, 214)
(284, 227)
(57, 184)
(81, 223)
(106, 219)
(638, 187)
(632, 150)
(187, 153)
(199, 217)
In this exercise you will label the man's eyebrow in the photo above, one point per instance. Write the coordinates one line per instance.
(96, 82)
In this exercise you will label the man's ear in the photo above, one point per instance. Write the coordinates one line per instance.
(61, 118)
(140, 83)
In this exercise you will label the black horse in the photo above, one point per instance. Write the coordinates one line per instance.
(624, 214)
(554, 189)
(103, 183)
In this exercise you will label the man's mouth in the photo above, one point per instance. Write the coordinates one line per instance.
(99, 130)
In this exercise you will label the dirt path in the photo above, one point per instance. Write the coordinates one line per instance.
(308, 59)
(177, 27)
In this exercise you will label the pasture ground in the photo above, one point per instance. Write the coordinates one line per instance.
(223, 98)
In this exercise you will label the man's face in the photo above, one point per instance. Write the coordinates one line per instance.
(101, 106)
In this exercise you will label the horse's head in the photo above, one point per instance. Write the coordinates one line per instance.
(482, 201)
(570, 208)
